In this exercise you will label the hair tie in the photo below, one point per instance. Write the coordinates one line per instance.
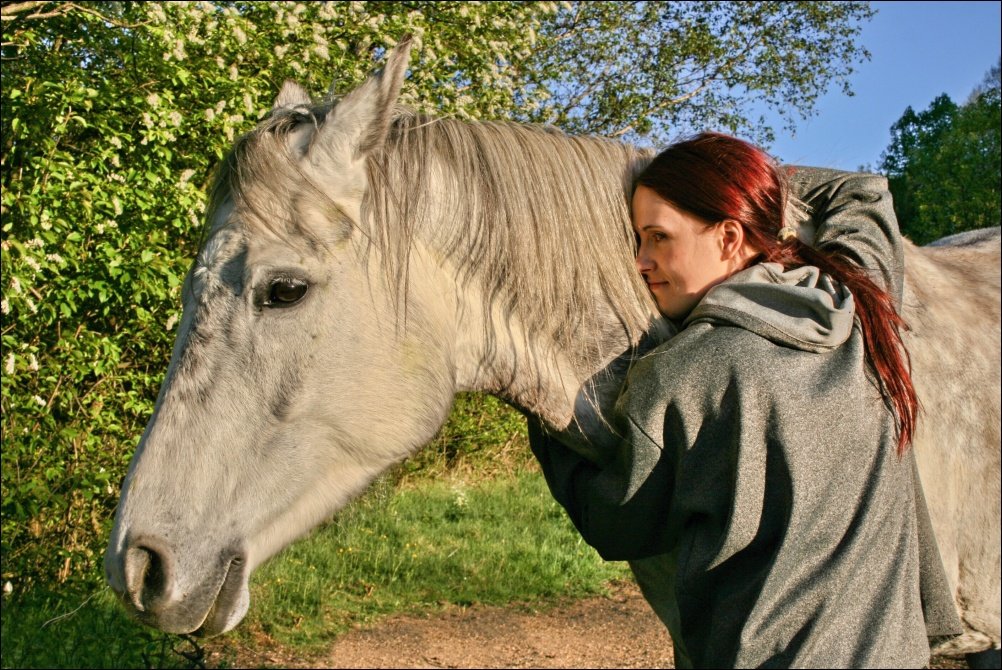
(796, 214)
(786, 233)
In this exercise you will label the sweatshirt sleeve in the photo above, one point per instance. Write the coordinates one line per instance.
(853, 214)
(675, 403)
(620, 509)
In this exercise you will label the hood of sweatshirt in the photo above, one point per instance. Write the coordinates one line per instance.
(801, 308)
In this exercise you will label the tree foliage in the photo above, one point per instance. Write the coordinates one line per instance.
(114, 114)
(944, 164)
(652, 70)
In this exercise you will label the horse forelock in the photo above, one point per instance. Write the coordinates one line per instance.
(261, 177)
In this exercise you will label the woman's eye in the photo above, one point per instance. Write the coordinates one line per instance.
(285, 292)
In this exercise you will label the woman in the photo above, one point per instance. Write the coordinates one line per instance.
(764, 490)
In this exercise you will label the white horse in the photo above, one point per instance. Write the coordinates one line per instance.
(364, 264)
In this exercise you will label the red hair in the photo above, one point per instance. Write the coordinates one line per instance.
(717, 177)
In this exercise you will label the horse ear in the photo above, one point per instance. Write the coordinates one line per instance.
(291, 96)
(361, 120)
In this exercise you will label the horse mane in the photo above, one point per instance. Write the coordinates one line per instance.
(538, 219)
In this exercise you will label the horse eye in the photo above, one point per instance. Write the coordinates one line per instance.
(285, 292)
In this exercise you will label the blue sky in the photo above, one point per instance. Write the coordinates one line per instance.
(919, 50)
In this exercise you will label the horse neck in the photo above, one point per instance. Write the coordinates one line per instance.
(548, 335)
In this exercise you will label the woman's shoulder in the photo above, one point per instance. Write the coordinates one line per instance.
(703, 374)
(704, 358)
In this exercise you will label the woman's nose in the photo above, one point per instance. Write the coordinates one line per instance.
(643, 261)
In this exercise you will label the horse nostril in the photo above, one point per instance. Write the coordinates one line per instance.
(147, 575)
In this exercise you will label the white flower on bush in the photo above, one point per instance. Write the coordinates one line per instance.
(8, 365)
(32, 363)
(4, 306)
(171, 322)
(40, 400)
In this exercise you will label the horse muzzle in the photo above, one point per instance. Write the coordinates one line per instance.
(160, 590)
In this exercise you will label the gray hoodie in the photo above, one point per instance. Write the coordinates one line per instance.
(757, 491)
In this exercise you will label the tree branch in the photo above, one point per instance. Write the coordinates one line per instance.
(14, 10)
(661, 105)
(102, 17)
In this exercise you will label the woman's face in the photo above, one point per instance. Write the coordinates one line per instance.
(680, 256)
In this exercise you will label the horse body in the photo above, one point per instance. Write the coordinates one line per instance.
(952, 304)
(363, 265)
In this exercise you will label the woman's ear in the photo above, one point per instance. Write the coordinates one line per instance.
(734, 246)
(732, 239)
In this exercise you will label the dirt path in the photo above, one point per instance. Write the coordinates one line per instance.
(618, 631)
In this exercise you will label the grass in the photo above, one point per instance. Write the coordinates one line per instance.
(417, 547)
(46, 629)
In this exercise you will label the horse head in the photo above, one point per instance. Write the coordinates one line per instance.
(282, 322)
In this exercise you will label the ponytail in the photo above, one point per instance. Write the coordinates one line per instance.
(881, 326)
